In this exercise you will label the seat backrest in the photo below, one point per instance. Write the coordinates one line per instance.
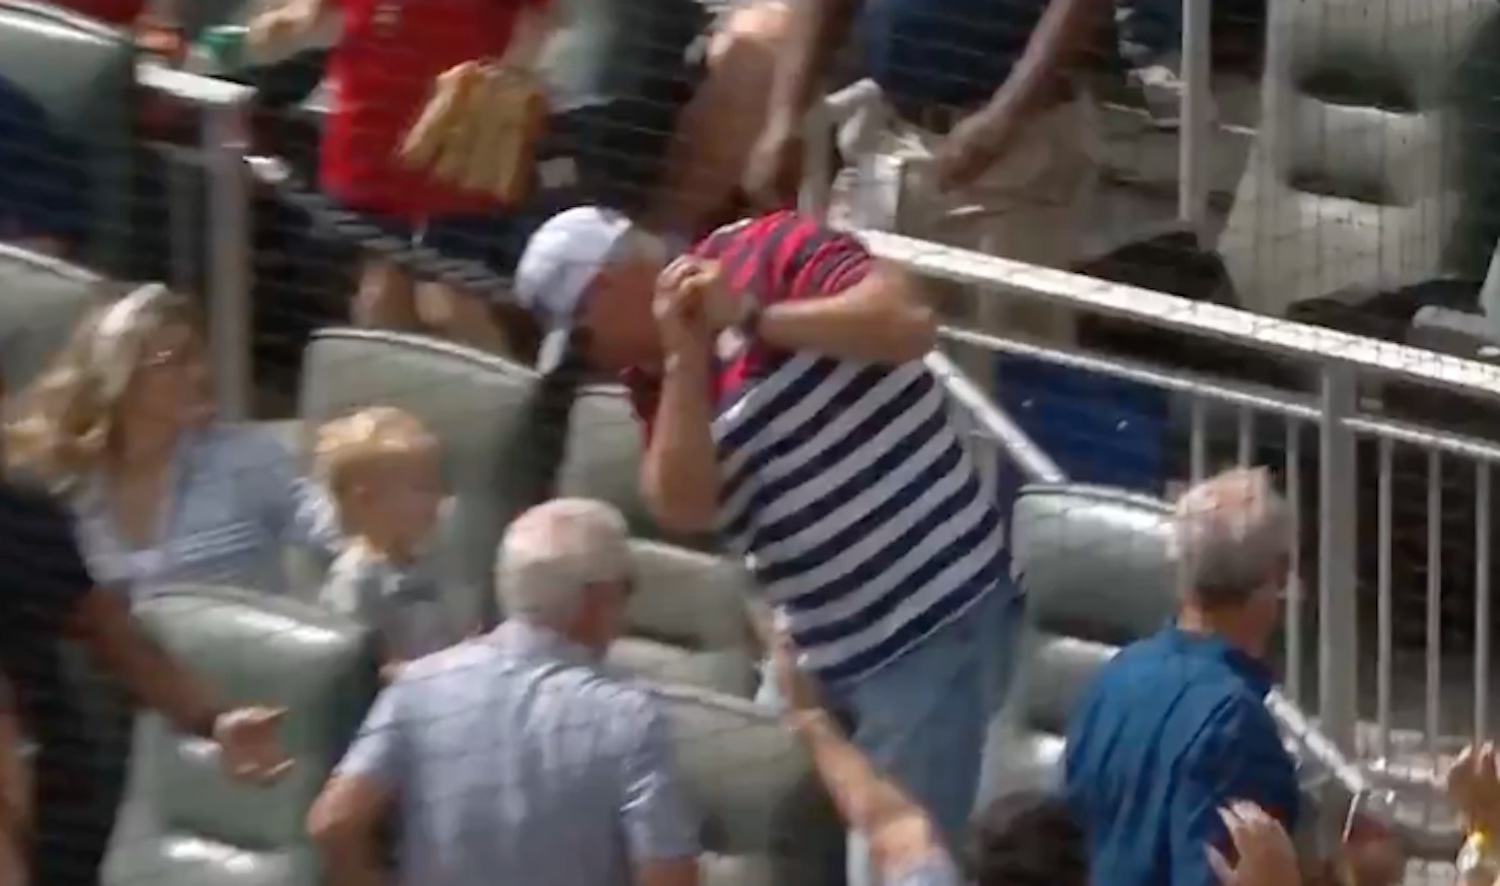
(1374, 164)
(766, 818)
(81, 74)
(41, 301)
(687, 623)
(253, 649)
(477, 405)
(1095, 567)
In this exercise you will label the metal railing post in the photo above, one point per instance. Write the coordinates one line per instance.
(230, 317)
(1196, 141)
(222, 141)
(1338, 507)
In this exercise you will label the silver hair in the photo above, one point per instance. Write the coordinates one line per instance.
(554, 552)
(1232, 536)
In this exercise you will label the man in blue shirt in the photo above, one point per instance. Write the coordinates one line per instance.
(1175, 729)
(982, 95)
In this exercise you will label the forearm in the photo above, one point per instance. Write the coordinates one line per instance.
(158, 681)
(864, 798)
(1061, 36)
(819, 28)
(680, 470)
(881, 319)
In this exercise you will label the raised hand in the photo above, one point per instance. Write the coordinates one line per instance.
(250, 745)
(1265, 853)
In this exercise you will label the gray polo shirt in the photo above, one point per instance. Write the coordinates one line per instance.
(517, 759)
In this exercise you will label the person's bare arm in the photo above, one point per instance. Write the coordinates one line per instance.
(103, 623)
(344, 824)
(883, 318)
(819, 28)
(680, 470)
(1065, 31)
(899, 833)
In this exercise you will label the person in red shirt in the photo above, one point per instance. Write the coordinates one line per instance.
(380, 74)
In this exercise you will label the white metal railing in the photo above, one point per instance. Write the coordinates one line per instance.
(1411, 727)
(223, 138)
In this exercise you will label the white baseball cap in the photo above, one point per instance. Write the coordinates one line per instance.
(562, 258)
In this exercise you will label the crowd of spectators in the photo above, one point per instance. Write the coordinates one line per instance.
(777, 371)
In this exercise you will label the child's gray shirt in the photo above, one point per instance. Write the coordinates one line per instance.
(404, 605)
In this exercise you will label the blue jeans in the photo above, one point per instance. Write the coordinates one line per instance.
(924, 718)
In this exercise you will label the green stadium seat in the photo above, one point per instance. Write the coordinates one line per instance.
(41, 301)
(1093, 562)
(82, 73)
(687, 623)
(200, 827)
(766, 818)
(477, 406)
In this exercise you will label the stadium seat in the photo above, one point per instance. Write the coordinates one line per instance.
(1093, 562)
(1377, 170)
(766, 819)
(687, 623)
(476, 404)
(82, 74)
(41, 300)
(256, 649)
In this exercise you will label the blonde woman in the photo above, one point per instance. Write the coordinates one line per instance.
(123, 428)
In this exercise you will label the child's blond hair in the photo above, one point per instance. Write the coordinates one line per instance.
(350, 445)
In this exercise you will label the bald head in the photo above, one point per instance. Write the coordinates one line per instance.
(1232, 537)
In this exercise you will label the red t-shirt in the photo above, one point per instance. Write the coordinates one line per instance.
(779, 257)
(380, 76)
(115, 12)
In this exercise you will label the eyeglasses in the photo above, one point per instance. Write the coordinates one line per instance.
(178, 357)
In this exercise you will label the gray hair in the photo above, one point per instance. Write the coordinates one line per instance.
(552, 553)
(1232, 535)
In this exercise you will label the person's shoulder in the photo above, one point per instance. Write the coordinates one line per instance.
(236, 446)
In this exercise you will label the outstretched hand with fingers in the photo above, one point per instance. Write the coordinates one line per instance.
(1265, 855)
(1473, 784)
(250, 745)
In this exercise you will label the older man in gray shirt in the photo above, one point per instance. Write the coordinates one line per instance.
(515, 758)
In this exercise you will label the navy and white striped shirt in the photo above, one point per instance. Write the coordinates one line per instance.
(844, 484)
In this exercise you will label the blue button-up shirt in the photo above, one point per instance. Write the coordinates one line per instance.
(235, 502)
(1173, 729)
(516, 759)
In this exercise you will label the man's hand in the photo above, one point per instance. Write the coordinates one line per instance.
(974, 145)
(290, 22)
(1265, 853)
(773, 172)
(1474, 786)
(799, 692)
(248, 745)
(685, 314)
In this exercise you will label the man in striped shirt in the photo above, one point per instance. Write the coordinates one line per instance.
(777, 370)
